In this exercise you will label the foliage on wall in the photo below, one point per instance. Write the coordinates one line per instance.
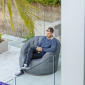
(46, 2)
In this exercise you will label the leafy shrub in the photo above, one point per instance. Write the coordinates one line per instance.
(27, 37)
(46, 2)
(1, 35)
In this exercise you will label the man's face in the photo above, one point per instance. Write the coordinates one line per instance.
(49, 34)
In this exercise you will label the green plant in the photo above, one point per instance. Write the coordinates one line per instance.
(28, 37)
(46, 2)
(1, 35)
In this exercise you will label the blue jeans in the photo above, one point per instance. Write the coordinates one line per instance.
(32, 54)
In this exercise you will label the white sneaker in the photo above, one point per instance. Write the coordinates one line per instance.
(18, 74)
(25, 67)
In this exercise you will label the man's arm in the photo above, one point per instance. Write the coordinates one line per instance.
(39, 45)
(52, 49)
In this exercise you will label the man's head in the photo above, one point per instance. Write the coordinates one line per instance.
(49, 32)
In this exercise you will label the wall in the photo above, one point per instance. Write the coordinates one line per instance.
(51, 14)
(2, 27)
(72, 42)
(18, 24)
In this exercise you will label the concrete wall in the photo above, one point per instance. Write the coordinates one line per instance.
(48, 14)
(72, 42)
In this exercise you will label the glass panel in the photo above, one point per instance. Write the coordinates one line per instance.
(11, 82)
(48, 17)
(33, 79)
(58, 72)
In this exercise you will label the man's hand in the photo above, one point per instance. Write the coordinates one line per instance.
(39, 49)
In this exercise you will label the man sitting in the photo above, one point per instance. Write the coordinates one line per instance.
(47, 44)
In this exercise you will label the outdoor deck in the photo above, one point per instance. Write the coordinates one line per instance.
(9, 65)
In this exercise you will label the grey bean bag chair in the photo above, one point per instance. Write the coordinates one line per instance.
(43, 65)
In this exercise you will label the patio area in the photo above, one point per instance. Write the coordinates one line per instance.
(9, 65)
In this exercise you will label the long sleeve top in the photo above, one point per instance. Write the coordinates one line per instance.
(48, 45)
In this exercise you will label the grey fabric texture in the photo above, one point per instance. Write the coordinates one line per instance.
(43, 65)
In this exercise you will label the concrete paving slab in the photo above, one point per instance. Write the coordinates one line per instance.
(12, 66)
(9, 63)
(5, 74)
(9, 55)
(13, 38)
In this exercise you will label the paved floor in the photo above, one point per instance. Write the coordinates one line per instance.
(9, 65)
(14, 41)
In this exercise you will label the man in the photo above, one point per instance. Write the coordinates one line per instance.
(47, 44)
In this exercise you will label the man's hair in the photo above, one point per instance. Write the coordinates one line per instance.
(50, 29)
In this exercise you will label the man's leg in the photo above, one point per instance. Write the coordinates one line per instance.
(28, 58)
(37, 56)
(32, 54)
(29, 55)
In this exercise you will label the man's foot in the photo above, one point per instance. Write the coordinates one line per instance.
(18, 74)
(25, 67)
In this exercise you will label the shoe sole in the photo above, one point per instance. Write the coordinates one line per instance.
(17, 75)
(25, 68)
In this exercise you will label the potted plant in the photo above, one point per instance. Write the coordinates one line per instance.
(3, 44)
